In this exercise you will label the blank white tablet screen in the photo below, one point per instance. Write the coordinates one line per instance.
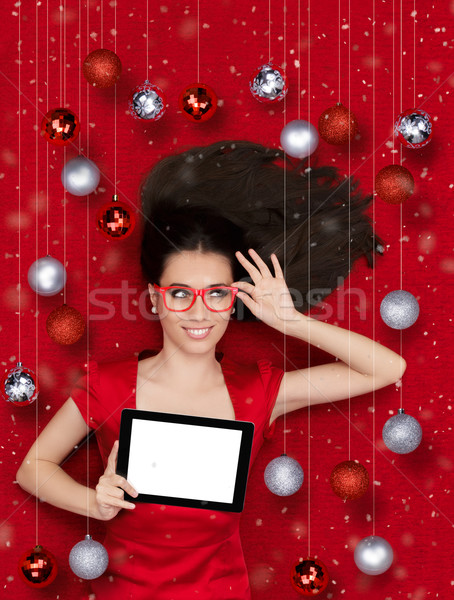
(183, 461)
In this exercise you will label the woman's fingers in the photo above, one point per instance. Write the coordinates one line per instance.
(264, 270)
(112, 460)
(244, 286)
(253, 271)
(277, 266)
(111, 501)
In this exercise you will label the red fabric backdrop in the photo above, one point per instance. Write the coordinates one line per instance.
(413, 499)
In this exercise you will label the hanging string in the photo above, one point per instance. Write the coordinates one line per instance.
(102, 23)
(146, 77)
(19, 186)
(36, 254)
(309, 281)
(373, 265)
(349, 240)
(64, 147)
(339, 51)
(414, 52)
(87, 235)
(269, 30)
(198, 41)
(47, 145)
(400, 206)
(299, 61)
(115, 97)
(284, 113)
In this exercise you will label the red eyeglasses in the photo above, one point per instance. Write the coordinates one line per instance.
(216, 299)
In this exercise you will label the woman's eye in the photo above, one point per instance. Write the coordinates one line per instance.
(218, 292)
(175, 292)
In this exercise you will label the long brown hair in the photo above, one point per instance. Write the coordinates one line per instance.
(229, 196)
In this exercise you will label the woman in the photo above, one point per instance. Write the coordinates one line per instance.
(214, 227)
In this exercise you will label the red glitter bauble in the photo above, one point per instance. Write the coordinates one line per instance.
(115, 220)
(337, 125)
(349, 480)
(102, 68)
(65, 325)
(60, 126)
(198, 102)
(394, 184)
(37, 567)
(309, 577)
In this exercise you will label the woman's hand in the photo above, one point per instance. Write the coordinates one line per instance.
(269, 299)
(109, 497)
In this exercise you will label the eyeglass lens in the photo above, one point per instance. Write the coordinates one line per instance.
(215, 298)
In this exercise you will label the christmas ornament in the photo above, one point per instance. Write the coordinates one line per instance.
(65, 325)
(198, 102)
(147, 101)
(402, 433)
(102, 68)
(37, 567)
(80, 176)
(349, 480)
(19, 385)
(394, 184)
(309, 577)
(88, 559)
(413, 128)
(47, 276)
(399, 309)
(60, 126)
(299, 138)
(268, 83)
(373, 555)
(337, 125)
(115, 220)
(283, 475)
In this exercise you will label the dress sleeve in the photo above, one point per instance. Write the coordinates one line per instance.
(271, 378)
(88, 403)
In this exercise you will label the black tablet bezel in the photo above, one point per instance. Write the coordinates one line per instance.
(247, 427)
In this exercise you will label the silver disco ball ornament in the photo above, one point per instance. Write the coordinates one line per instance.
(399, 309)
(414, 128)
(402, 433)
(147, 101)
(80, 176)
(88, 559)
(283, 476)
(47, 276)
(268, 83)
(19, 386)
(373, 555)
(299, 138)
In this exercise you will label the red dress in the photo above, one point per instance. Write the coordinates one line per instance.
(162, 552)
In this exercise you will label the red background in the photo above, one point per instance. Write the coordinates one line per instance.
(413, 503)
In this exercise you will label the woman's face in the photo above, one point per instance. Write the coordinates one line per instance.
(197, 270)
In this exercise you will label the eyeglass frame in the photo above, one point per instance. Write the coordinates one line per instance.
(197, 292)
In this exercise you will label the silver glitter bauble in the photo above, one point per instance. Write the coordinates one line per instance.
(283, 476)
(402, 433)
(299, 138)
(373, 555)
(414, 128)
(80, 176)
(47, 276)
(19, 386)
(147, 101)
(268, 83)
(399, 309)
(88, 559)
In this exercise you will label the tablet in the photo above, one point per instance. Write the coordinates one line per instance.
(185, 460)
